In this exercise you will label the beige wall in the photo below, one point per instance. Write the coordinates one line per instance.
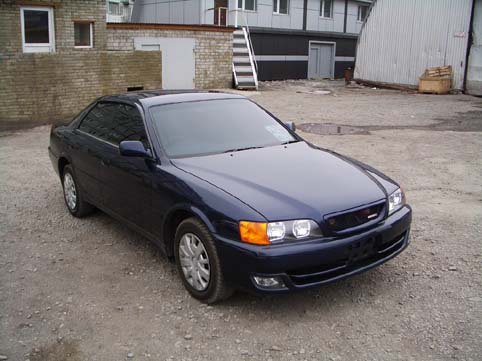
(46, 88)
(213, 51)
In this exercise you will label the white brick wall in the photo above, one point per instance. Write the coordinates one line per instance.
(213, 52)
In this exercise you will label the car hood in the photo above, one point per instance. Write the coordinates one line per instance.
(287, 181)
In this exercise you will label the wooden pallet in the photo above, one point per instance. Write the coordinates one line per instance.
(440, 71)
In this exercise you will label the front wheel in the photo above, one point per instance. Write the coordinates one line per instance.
(198, 262)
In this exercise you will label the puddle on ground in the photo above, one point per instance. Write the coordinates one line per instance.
(318, 92)
(470, 121)
(331, 129)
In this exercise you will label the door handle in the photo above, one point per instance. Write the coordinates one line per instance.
(104, 163)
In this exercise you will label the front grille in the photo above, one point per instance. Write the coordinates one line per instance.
(343, 221)
(356, 255)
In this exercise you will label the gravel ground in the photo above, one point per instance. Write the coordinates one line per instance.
(91, 289)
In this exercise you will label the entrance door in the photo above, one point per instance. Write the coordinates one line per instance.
(321, 60)
(220, 12)
(178, 66)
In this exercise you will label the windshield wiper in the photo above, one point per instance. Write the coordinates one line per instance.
(240, 149)
(291, 141)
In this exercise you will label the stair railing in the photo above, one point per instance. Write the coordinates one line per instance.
(250, 48)
(252, 60)
(249, 45)
(235, 77)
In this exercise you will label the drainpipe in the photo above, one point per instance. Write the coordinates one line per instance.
(346, 14)
(470, 40)
(305, 13)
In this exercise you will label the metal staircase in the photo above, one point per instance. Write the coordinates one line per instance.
(245, 69)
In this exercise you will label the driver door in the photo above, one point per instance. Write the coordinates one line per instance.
(126, 181)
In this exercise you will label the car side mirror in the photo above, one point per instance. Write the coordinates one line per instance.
(291, 126)
(134, 148)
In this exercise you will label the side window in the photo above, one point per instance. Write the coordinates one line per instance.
(115, 122)
(128, 125)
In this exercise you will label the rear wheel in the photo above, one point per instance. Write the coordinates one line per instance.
(198, 262)
(72, 195)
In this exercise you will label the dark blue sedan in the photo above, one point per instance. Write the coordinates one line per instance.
(234, 195)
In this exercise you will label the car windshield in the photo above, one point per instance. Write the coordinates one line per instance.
(216, 126)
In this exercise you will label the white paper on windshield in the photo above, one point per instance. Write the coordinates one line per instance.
(280, 133)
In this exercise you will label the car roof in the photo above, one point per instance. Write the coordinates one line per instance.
(150, 98)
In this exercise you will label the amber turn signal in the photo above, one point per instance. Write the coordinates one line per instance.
(254, 232)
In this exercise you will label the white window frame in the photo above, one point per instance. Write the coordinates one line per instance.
(120, 8)
(276, 7)
(243, 8)
(38, 47)
(359, 13)
(91, 29)
(322, 9)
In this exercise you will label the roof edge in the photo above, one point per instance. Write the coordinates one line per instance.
(187, 27)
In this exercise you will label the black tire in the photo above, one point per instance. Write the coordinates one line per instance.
(81, 208)
(217, 289)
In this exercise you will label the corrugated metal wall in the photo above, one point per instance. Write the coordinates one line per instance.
(474, 74)
(401, 38)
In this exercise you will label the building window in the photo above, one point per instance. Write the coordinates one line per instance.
(326, 7)
(115, 8)
(249, 5)
(281, 6)
(37, 29)
(84, 34)
(362, 12)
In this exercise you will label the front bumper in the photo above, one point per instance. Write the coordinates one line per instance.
(315, 262)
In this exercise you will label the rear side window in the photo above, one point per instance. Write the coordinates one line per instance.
(115, 122)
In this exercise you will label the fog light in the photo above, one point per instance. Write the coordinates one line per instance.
(269, 282)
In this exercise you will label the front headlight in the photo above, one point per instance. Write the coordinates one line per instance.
(274, 232)
(396, 200)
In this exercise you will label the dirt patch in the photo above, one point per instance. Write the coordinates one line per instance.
(57, 351)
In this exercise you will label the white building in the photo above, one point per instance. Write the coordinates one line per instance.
(292, 39)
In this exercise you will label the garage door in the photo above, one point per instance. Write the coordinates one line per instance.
(178, 66)
(321, 60)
